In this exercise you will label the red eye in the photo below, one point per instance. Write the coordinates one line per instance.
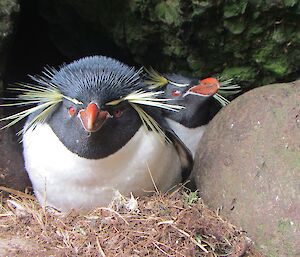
(117, 113)
(176, 93)
(72, 111)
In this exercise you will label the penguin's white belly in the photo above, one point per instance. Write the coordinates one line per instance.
(189, 136)
(64, 180)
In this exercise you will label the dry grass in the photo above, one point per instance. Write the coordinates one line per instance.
(176, 224)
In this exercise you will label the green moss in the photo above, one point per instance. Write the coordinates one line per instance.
(279, 35)
(134, 36)
(137, 5)
(8, 6)
(200, 7)
(267, 79)
(284, 225)
(240, 73)
(298, 9)
(195, 62)
(255, 15)
(272, 252)
(269, 244)
(168, 12)
(255, 29)
(191, 198)
(290, 3)
(235, 26)
(235, 8)
(260, 230)
(279, 66)
(297, 37)
(174, 49)
(263, 53)
(256, 3)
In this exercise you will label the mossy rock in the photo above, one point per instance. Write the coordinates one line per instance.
(200, 38)
(248, 166)
(8, 11)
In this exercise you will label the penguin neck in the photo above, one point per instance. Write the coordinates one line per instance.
(196, 113)
(189, 136)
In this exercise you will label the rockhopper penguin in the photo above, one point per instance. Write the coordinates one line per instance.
(200, 97)
(97, 130)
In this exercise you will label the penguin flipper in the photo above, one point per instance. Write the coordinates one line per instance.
(184, 154)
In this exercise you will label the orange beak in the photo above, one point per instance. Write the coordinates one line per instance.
(206, 87)
(92, 118)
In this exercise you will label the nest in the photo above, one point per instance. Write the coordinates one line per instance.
(175, 224)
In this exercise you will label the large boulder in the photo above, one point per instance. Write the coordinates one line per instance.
(248, 166)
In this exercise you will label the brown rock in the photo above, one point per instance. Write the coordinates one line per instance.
(12, 171)
(248, 164)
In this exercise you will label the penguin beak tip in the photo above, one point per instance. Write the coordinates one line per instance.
(206, 87)
(92, 118)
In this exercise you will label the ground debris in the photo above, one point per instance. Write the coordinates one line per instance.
(176, 224)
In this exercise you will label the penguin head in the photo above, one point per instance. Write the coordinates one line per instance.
(202, 99)
(91, 126)
(195, 95)
(94, 105)
(93, 82)
(190, 91)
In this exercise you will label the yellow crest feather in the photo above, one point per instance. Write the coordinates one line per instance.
(227, 88)
(155, 79)
(47, 99)
(148, 98)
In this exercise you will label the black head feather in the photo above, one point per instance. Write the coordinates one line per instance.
(100, 76)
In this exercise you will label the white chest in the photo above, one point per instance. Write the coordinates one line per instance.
(64, 180)
(189, 136)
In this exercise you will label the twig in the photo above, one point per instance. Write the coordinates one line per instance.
(190, 237)
(161, 250)
(153, 182)
(100, 248)
(171, 223)
(113, 211)
(167, 246)
(17, 193)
